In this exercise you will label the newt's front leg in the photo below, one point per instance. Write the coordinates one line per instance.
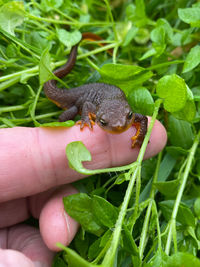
(87, 115)
(140, 123)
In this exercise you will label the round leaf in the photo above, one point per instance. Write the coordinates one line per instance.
(173, 90)
(192, 60)
(141, 101)
(69, 38)
(181, 134)
(76, 153)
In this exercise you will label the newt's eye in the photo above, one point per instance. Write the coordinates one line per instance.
(103, 122)
(130, 115)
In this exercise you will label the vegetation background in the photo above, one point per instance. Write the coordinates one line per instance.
(146, 213)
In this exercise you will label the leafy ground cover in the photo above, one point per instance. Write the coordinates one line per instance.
(146, 213)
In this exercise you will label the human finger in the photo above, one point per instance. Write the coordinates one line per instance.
(27, 241)
(33, 159)
(55, 224)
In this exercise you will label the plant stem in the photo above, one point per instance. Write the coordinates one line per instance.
(57, 64)
(110, 255)
(158, 66)
(65, 22)
(29, 119)
(143, 240)
(112, 20)
(13, 108)
(172, 223)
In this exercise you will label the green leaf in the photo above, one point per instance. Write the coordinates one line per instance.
(190, 15)
(21, 43)
(94, 249)
(136, 13)
(176, 151)
(58, 261)
(120, 72)
(45, 73)
(167, 28)
(105, 212)
(168, 188)
(165, 170)
(74, 259)
(142, 36)
(48, 5)
(79, 207)
(130, 35)
(58, 124)
(173, 90)
(125, 77)
(184, 215)
(141, 101)
(183, 260)
(158, 260)
(129, 243)
(158, 35)
(11, 15)
(69, 39)
(187, 113)
(76, 153)
(193, 59)
(197, 207)
(181, 134)
(149, 53)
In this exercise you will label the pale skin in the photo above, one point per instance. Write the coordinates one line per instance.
(34, 177)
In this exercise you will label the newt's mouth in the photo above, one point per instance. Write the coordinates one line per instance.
(115, 130)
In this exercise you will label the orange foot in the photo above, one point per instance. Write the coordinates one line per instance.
(135, 137)
(88, 121)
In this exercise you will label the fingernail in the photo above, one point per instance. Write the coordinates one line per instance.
(40, 264)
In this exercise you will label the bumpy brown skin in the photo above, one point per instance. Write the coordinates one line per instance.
(102, 103)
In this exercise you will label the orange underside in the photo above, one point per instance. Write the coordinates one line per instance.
(137, 125)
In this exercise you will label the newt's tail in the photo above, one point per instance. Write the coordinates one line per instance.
(65, 69)
(56, 94)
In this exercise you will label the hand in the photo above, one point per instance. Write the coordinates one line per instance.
(34, 177)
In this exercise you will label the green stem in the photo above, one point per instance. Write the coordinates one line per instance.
(13, 108)
(57, 64)
(110, 255)
(143, 238)
(9, 83)
(94, 66)
(29, 119)
(64, 22)
(172, 223)
(19, 73)
(65, 15)
(32, 112)
(112, 20)
(159, 66)
(158, 228)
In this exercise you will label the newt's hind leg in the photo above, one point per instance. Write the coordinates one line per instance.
(69, 114)
(140, 123)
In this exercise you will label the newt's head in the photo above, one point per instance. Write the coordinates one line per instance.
(114, 116)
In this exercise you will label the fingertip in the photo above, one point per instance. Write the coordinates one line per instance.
(158, 139)
(121, 152)
(55, 224)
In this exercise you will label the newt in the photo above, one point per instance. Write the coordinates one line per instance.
(102, 103)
